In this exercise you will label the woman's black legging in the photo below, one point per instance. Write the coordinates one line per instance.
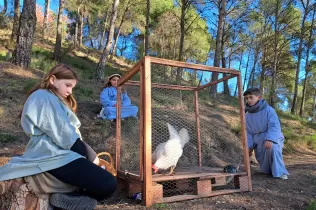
(93, 180)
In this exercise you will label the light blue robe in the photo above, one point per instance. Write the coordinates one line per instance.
(53, 129)
(108, 99)
(261, 126)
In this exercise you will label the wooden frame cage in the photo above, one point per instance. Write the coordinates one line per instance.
(147, 183)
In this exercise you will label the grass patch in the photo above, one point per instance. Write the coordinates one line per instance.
(3, 55)
(311, 142)
(83, 93)
(6, 137)
(29, 84)
(161, 206)
(42, 59)
(86, 68)
(312, 205)
(236, 129)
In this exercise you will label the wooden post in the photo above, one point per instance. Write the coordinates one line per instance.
(157, 193)
(243, 131)
(198, 130)
(141, 126)
(118, 128)
(204, 187)
(146, 85)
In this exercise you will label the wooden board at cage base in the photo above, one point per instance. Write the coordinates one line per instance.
(200, 184)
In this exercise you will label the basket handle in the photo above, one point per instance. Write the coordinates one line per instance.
(107, 154)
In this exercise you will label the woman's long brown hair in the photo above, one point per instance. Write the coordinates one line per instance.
(60, 71)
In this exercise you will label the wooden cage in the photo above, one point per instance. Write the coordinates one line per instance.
(204, 177)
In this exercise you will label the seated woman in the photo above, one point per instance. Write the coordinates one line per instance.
(56, 147)
(108, 99)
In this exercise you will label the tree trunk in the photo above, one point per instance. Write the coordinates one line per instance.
(104, 28)
(252, 72)
(182, 24)
(147, 33)
(106, 51)
(299, 55)
(15, 22)
(246, 71)
(262, 77)
(80, 26)
(314, 108)
(89, 31)
(5, 7)
(119, 31)
(117, 35)
(239, 68)
(219, 36)
(307, 65)
(22, 53)
(57, 50)
(47, 2)
(75, 37)
(275, 56)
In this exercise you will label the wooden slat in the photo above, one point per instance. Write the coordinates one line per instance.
(243, 131)
(134, 70)
(215, 82)
(118, 129)
(188, 175)
(146, 77)
(198, 131)
(166, 86)
(141, 126)
(192, 66)
(189, 197)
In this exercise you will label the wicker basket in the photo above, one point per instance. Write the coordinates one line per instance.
(105, 164)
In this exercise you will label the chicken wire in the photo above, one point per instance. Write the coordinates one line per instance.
(219, 136)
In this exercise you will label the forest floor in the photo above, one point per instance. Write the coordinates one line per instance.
(296, 193)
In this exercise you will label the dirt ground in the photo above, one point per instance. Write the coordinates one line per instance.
(268, 193)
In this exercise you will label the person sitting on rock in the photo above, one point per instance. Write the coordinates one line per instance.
(56, 146)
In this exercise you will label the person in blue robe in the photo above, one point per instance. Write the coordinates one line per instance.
(56, 146)
(108, 99)
(264, 134)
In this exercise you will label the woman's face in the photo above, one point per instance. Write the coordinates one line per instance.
(114, 81)
(252, 100)
(63, 86)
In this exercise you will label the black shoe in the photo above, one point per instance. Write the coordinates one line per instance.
(71, 202)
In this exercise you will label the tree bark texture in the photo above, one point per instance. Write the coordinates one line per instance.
(57, 50)
(106, 51)
(15, 22)
(22, 53)
(45, 24)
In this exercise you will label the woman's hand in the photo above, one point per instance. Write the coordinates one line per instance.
(96, 161)
(268, 144)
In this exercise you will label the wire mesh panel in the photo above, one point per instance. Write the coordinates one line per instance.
(195, 142)
(130, 150)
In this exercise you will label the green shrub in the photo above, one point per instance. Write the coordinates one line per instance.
(312, 205)
(6, 137)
